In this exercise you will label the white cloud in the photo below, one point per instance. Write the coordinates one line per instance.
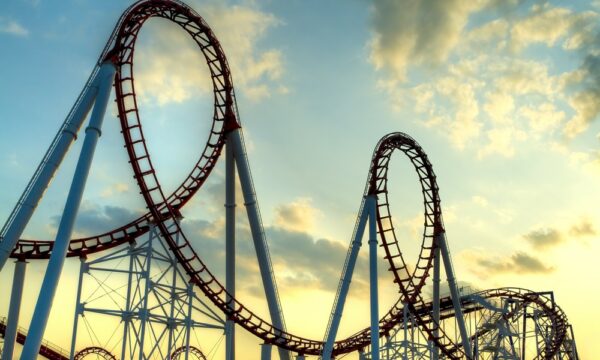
(465, 124)
(416, 32)
(544, 118)
(299, 215)
(481, 91)
(544, 25)
(12, 27)
(499, 107)
(587, 107)
(172, 68)
(501, 141)
(114, 189)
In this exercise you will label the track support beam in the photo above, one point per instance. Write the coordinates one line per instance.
(65, 229)
(435, 351)
(45, 171)
(345, 280)
(371, 204)
(229, 244)
(265, 352)
(445, 252)
(14, 309)
(258, 234)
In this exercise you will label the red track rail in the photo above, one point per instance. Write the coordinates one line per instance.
(179, 352)
(47, 349)
(95, 352)
(164, 211)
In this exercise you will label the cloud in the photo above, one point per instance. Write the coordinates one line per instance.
(582, 229)
(585, 102)
(544, 24)
(116, 188)
(12, 27)
(544, 238)
(299, 215)
(485, 265)
(416, 32)
(164, 78)
(94, 219)
(479, 86)
(300, 261)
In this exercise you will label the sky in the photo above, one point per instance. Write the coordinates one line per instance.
(503, 96)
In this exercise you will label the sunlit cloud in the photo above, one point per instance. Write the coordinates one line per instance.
(485, 265)
(12, 27)
(95, 219)
(164, 78)
(545, 238)
(299, 215)
(401, 38)
(114, 189)
(489, 93)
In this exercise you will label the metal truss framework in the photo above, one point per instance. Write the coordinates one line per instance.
(151, 300)
(503, 324)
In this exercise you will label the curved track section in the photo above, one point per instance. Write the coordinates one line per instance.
(179, 353)
(95, 352)
(410, 282)
(164, 210)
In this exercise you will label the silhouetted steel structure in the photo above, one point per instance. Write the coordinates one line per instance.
(441, 327)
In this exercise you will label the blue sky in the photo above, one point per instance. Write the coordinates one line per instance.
(504, 97)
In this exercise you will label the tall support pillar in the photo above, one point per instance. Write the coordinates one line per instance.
(45, 171)
(65, 229)
(265, 351)
(12, 323)
(371, 204)
(148, 284)
(188, 320)
(361, 355)
(445, 252)
(127, 315)
(344, 285)
(405, 330)
(435, 351)
(229, 245)
(78, 306)
(258, 235)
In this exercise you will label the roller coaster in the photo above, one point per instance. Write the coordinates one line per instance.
(165, 292)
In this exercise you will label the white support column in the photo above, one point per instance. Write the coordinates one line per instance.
(445, 252)
(229, 244)
(371, 204)
(188, 320)
(345, 283)
(78, 306)
(12, 323)
(171, 321)
(258, 235)
(143, 312)
(405, 330)
(45, 171)
(265, 351)
(127, 315)
(65, 229)
(435, 351)
(361, 355)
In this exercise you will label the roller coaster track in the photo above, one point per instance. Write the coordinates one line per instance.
(48, 350)
(165, 209)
